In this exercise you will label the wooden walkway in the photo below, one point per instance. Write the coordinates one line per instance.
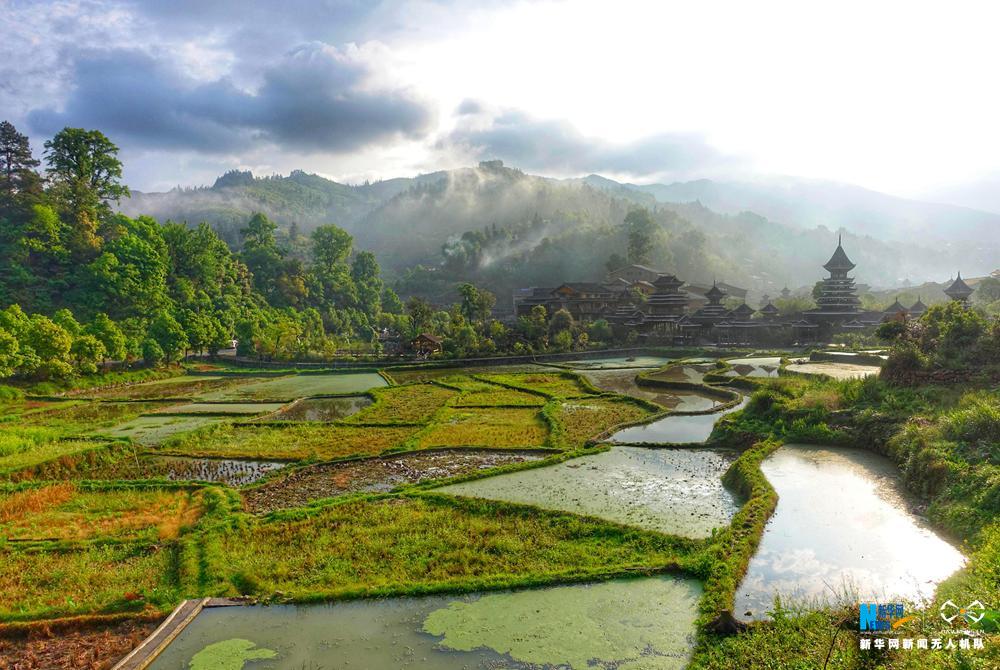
(142, 656)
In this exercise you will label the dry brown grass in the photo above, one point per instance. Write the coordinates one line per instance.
(63, 513)
(34, 501)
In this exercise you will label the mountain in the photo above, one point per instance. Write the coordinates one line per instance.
(965, 234)
(505, 228)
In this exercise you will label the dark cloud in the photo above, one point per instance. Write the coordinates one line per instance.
(310, 100)
(555, 145)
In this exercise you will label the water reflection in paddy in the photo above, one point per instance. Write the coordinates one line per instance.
(632, 362)
(673, 429)
(755, 367)
(322, 409)
(841, 525)
(623, 381)
(639, 624)
(676, 491)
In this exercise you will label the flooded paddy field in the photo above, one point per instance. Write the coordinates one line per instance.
(841, 531)
(298, 386)
(755, 367)
(617, 362)
(376, 474)
(835, 370)
(222, 408)
(689, 372)
(322, 409)
(623, 381)
(677, 491)
(674, 429)
(638, 624)
(184, 386)
(153, 430)
(408, 375)
(232, 472)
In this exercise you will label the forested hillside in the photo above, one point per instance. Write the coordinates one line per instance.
(81, 284)
(505, 229)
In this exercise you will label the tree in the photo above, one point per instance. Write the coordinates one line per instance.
(259, 233)
(17, 165)
(10, 359)
(600, 331)
(561, 321)
(64, 318)
(420, 312)
(51, 344)
(152, 353)
(366, 275)
(87, 352)
(477, 304)
(391, 303)
(169, 335)
(110, 336)
(86, 174)
(641, 235)
(330, 246)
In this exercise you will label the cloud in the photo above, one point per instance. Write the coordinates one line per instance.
(316, 98)
(551, 145)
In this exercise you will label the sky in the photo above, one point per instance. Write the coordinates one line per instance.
(899, 97)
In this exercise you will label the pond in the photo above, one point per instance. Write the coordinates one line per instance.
(677, 491)
(376, 474)
(299, 386)
(232, 472)
(674, 429)
(612, 363)
(841, 531)
(637, 624)
(756, 367)
(623, 381)
(323, 409)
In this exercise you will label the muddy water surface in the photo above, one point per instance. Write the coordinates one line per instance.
(640, 624)
(674, 429)
(677, 491)
(841, 528)
(376, 474)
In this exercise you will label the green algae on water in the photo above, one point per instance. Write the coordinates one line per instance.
(642, 624)
(229, 655)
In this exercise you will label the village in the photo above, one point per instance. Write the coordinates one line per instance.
(662, 309)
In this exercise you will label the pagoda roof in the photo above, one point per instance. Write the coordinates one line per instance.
(839, 260)
(667, 281)
(715, 293)
(743, 311)
(895, 308)
(918, 307)
(958, 289)
(769, 308)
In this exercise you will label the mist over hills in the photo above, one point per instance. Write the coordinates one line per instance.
(504, 228)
